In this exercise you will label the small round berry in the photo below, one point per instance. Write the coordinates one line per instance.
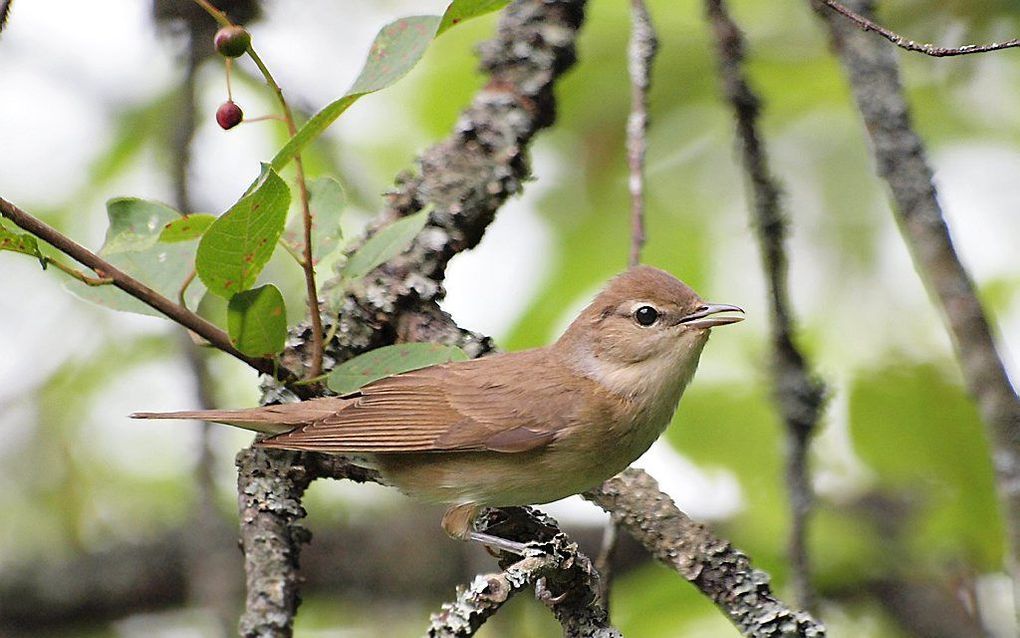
(232, 41)
(229, 115)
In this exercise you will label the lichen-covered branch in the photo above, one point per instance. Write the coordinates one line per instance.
(563, 577)
(485, 596)
(902, 162)
(465, 179)
(716, 568)
(572, 589)
(798, 394)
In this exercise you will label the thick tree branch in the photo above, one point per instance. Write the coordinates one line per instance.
(129, 284)
(798, 394)
(465, 178)
(716, 568)
(902, 162)
(866, 24)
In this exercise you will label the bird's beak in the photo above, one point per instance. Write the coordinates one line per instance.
(702, 317)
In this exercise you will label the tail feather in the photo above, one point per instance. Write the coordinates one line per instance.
(270, 419)
(244, 419)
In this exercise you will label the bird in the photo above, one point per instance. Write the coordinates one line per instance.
(514, 428)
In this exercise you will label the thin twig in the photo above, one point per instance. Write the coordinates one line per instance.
(77, 274)
(308, 265)
(901, 161)
(640, 54)
(798, 394)
(129, 284)
(605, 559)
(920, 47)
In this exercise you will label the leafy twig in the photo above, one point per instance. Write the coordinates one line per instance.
(928, 49)
(640, 54)
(798, 394)
(307, 263)
(129, 284)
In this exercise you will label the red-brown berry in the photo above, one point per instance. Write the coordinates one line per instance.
(232, 41)
(229, 115)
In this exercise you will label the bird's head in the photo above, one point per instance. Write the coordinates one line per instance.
(646, 314)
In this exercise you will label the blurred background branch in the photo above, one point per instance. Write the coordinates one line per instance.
(799, 395)
(901, 160)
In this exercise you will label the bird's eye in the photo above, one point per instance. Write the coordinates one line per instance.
(646, 315)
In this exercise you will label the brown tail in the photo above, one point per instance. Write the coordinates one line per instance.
(270, 419)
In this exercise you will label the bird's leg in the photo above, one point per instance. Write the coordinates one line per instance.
(458, 522)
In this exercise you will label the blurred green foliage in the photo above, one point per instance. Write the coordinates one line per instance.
(919, 499)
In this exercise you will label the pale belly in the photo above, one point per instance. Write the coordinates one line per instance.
(565, 467)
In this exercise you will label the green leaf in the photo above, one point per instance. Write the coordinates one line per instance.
(237, 246)
(186, 228)
(388, 361)
(396, 49)
(312, 129)
(162, 267)
(24, 243)
(257, 321)
(919, 432)
(385, 244)
(132, 245)
(459, 12)
(135, 224)
(326, 201)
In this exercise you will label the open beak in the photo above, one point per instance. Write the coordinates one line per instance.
(703, 316)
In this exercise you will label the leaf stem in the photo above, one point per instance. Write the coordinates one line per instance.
(77, 274)
(315, 368)
(184, 287)
(219, 16)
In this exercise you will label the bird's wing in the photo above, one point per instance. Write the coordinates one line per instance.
(489, 404)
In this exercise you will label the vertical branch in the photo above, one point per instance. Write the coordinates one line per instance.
(798, 394)
(640, 54)
(901, 161)
(270, 484)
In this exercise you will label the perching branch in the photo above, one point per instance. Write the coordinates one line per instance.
(130, 285)
(928, 49)
(640, 54)
(486, 595)
(716, 568)
(563, 577)
(799, 394)
(901, 161)
(465, 178)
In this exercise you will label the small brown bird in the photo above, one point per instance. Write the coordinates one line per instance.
(518, 428)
